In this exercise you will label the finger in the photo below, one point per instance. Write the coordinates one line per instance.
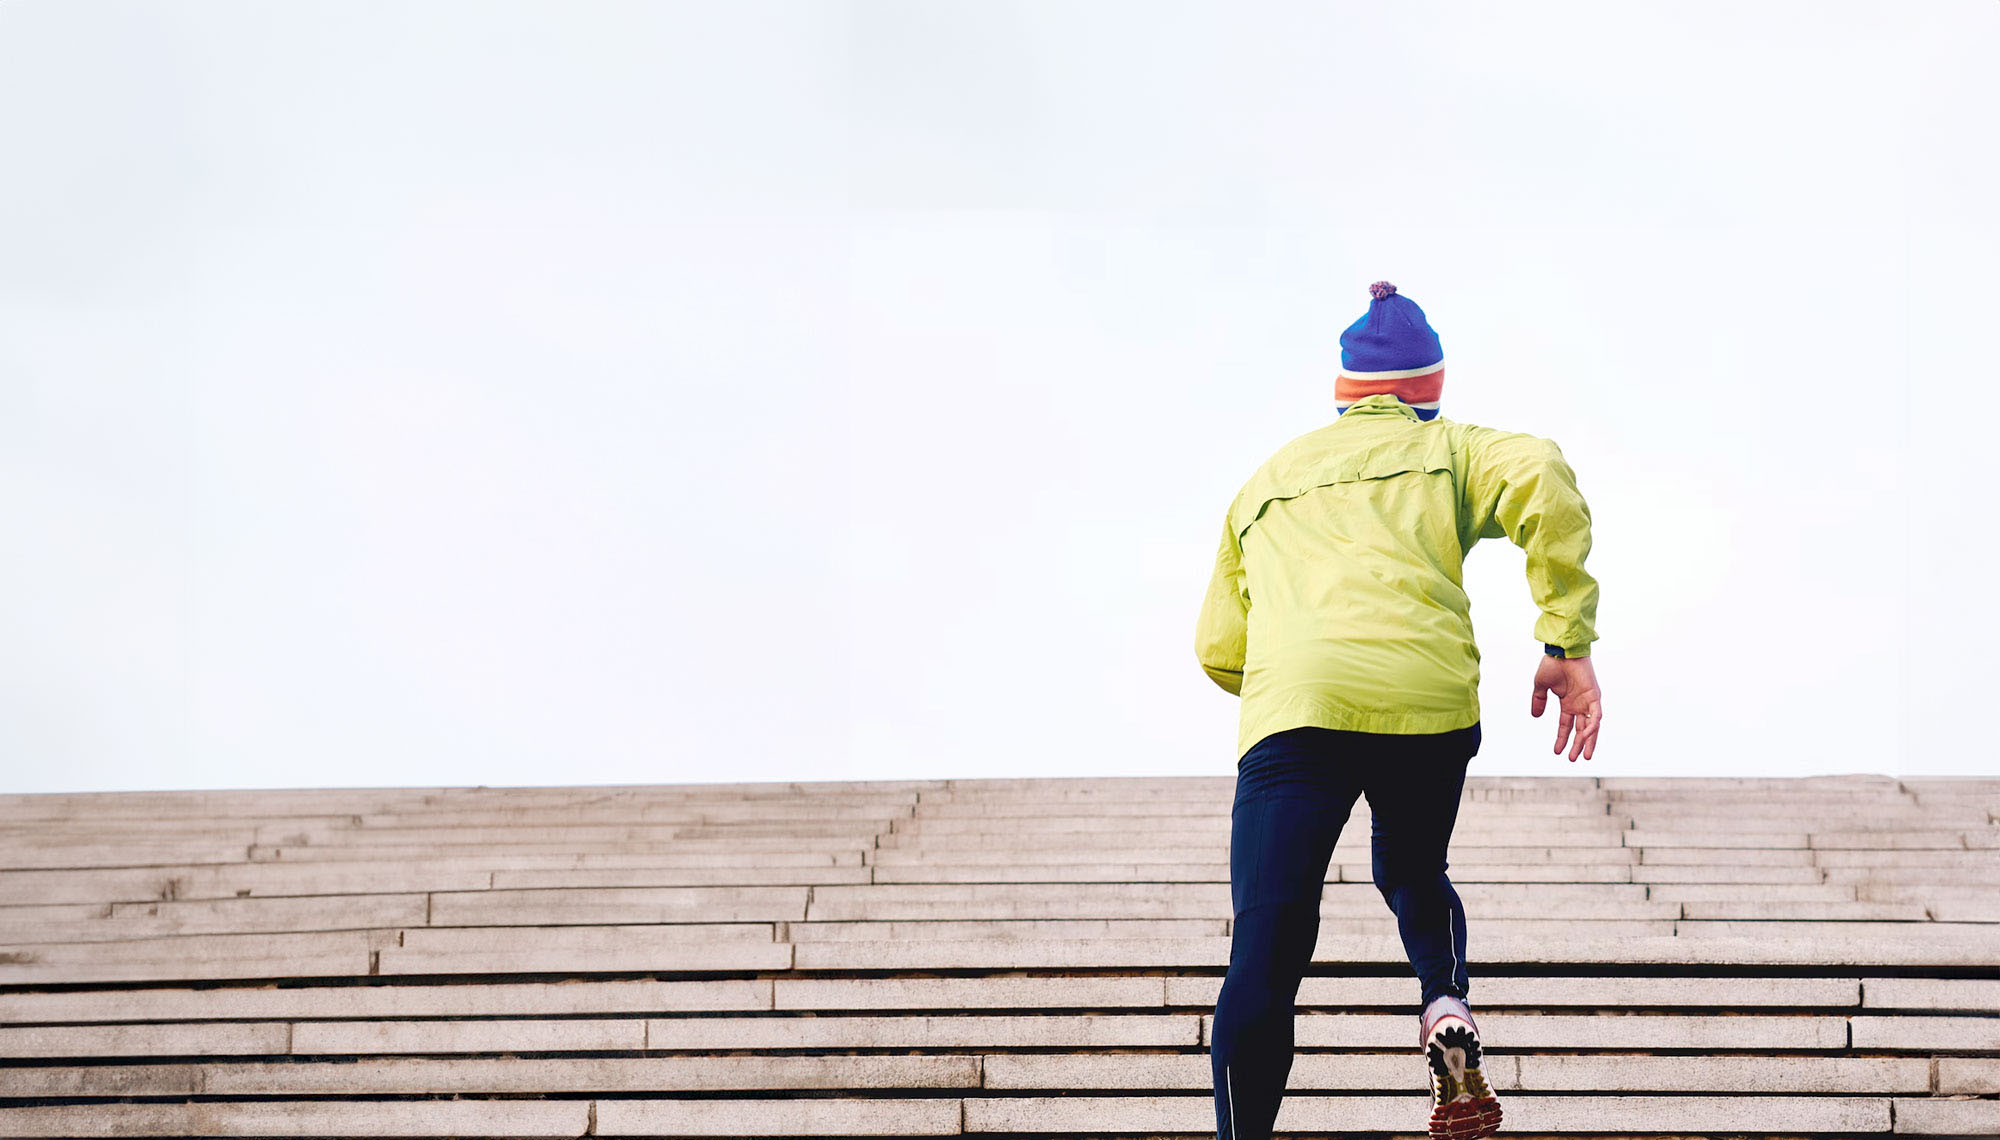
(1586, 733)
(1539, 700)
(1563, 724)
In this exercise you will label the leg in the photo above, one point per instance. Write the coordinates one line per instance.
(1293, 793)
(1414, 797)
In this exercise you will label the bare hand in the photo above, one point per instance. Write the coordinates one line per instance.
(1574, 682)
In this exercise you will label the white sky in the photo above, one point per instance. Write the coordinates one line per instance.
(479, 393)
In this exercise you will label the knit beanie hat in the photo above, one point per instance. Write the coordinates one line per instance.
(1391, 349)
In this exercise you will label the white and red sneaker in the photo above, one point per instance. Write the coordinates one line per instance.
(1463, 1106)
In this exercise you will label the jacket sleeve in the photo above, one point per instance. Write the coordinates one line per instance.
(1220, 634)
(1520, 487)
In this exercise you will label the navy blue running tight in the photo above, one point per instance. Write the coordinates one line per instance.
(1294, 790)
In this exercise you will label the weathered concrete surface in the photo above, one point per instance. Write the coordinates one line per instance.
(1672, 957)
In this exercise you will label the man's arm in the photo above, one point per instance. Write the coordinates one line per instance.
(1520, 487)
(1220, 633)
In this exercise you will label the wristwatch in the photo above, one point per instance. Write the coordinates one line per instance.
(1554, 651)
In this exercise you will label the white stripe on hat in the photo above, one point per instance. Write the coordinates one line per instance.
(1394, 374)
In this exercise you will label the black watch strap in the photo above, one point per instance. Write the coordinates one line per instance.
(1554, 651)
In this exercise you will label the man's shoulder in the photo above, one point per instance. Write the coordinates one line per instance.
(1282, 463)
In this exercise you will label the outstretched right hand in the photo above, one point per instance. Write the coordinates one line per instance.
(1574, 682)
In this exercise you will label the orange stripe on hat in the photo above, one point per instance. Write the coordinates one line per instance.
(1411, 385)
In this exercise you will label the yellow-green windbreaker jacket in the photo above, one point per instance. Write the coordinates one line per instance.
(1338, 599)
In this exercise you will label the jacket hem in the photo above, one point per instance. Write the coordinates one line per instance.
(1392, 723)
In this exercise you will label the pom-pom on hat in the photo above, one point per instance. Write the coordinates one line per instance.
(1391, 349)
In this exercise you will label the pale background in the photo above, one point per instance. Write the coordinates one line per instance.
(479, 393)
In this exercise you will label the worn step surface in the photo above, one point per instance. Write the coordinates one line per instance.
(1650, 956)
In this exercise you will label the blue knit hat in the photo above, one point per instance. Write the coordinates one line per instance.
(1391, 349)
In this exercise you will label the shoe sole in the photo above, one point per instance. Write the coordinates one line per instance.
(1463, 1105)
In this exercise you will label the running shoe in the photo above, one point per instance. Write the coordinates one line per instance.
(1463, 1106)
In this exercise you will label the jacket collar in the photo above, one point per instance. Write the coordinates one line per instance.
(1381, 404)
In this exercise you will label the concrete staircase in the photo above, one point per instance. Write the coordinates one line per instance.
(1659, 957)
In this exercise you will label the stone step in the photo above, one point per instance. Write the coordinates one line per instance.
(347, 954)
(1198, 900)
(735, 852)
(1699, 790)
(475, 1075)
(619, 904)
(1719, 873)
(1557, 875)
(1775, 949)
(301, 897)
(576, 835)
(1968, 994)
(1377, 1072)
(1985, 838)
(198, 881)
(1735, 1115)
(1217, 856)
(496, 999)
(1192, 815)
(1958, 910)
(1768, 909)
(18, 969)
(637, 837)
(84, 807)
(234, 916)
(1985, 785)
(1727, 856)
(1599, 993)
(911, 1116)
(1695, 873)
(1976, 858)
(27, 832)
(68, 856)
(1311, 1072)
(1914, 876)
(1130, 1116)
(1968, 1076)
(1752, 892)
(765, 810)
(1120, 812)
(1335, 994)
(1932, 1117)
(1113, 831)
(1070, 844)
(205, 1039)
(311, 1118)
(1970, 933)
(1378, 924)
(705, 957)
(1703, 786)
(1928, 1034)
(198, 946)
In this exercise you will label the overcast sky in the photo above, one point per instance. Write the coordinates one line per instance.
(575, 393)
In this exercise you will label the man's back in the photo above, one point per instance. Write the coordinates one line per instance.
(1338, 595)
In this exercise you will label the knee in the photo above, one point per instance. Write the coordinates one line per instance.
(1250, 1006)
(1391, 877)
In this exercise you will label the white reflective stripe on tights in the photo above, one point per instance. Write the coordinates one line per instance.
(1453, 943)
(1230, 1086)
